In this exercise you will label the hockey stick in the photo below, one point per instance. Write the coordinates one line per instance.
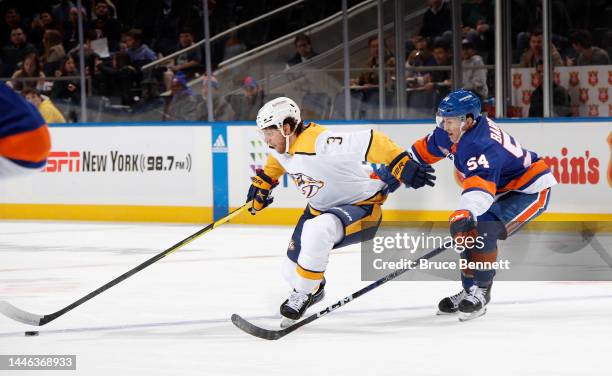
(20, 315)
(257, 331)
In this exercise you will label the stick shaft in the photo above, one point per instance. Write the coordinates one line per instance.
(48, 318)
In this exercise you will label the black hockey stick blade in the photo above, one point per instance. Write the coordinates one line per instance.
(257, 331)
(17, 314)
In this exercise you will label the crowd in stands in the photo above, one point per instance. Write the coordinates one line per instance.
(40, 54)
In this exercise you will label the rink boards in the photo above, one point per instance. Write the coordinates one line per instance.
(188, 172)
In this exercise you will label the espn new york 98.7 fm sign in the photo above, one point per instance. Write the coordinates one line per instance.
(121, 165)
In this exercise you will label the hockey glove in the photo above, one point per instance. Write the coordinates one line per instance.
(463, 228)
(259, 192)
(384, 174)
(411, 173)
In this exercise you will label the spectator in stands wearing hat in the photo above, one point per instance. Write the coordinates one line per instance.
(44, 105)
(249, 101)
(587, 53)
(222, 111)
(182, 104)
(474, 72)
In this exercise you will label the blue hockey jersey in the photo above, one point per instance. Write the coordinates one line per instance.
(489, 160)
(24, 136)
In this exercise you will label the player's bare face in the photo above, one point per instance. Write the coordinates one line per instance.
(452, 126)
(274, 139)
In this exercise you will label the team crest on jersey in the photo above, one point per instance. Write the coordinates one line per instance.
(584, 95)
(517, 80)
(574, 79)
(593, 79)
(603, 94)
(307, 185)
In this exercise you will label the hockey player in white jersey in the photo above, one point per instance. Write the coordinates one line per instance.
(344, 194)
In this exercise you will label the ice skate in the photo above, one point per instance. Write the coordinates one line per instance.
(293, 308)
(475, 303)
(450, 304)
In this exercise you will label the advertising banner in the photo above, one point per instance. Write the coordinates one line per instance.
(121, 165)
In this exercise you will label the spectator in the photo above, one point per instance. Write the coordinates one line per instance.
(222, 111)
(233, 46)
(437, 21)
(477, 18)
(106, 26)
(371, 77)
(440, 79)
(119, 80)
(41, 23)
(54, 51)
(30, 68)
(67, 90)
(44, 105)
(182, 104)
(474, 79)
(16, 51)
(249, 101)
(587, 53)
(187, 62)
(561, 99)
(61, 11)
(140, 54)
(12, 20)
(303, 49)
(419, 57)
(71, 28)
(150, 105)
(534, 53)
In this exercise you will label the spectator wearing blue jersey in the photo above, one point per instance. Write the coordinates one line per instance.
(139, 52)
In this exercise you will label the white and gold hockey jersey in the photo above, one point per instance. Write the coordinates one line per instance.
(327, 167)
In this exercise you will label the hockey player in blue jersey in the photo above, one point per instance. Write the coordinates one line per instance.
(504, 187)
(24, 136)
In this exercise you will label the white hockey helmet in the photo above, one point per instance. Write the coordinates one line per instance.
(274, 113)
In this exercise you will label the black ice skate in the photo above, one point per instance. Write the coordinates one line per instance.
(293, 308)
(475, 303)
(450, 304)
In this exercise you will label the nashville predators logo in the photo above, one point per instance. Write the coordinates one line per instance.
(307, 185)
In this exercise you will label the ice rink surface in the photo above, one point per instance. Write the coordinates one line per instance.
(173, 318)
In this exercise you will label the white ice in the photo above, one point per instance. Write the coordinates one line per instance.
(173, 318)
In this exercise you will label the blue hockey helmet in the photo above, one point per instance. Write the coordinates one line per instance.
(460, 103)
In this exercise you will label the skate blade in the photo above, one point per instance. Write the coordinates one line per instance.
(442, 313)
(471, 316)
(287, 322)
